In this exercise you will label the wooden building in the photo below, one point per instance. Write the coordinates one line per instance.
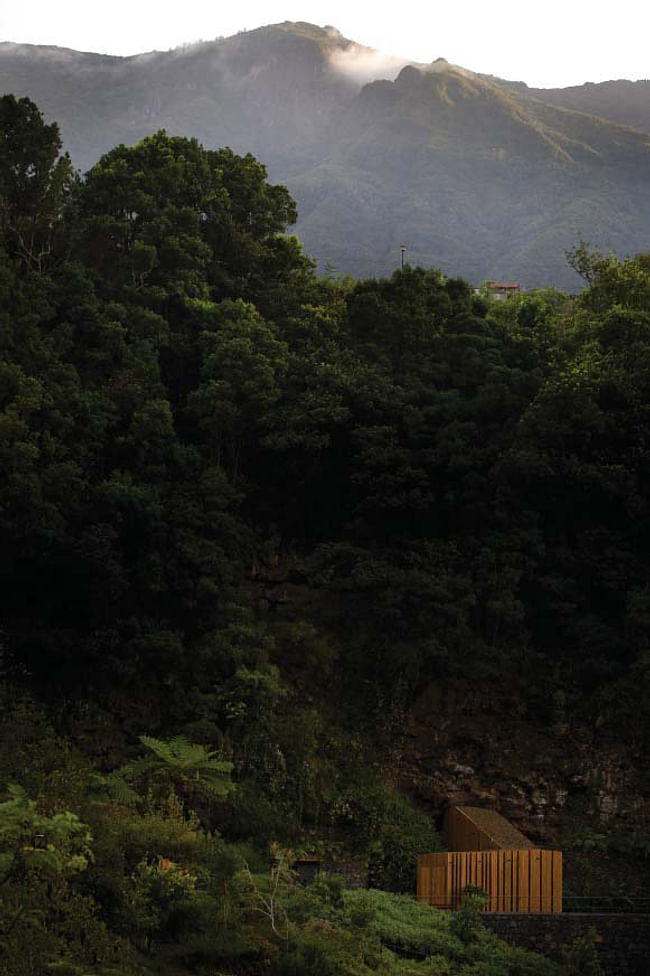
(480, 829)
(488, 852)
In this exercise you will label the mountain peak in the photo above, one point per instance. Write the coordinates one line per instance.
(481, 176)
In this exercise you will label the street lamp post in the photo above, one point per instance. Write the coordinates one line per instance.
(403, 248)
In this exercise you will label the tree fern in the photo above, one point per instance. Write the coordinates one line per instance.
(184, 759)
(112, 788)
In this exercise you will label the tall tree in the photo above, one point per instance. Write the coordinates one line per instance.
(35, 180)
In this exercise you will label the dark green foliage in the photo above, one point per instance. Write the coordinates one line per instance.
(394, 934)
(43, 915)
(582, 958)
(115, 510)
(465, 923)
(391, 831)
(34, 182)
(246, 516)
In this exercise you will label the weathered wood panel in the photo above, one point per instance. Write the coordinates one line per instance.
(529, 880)
(480, 829)
(556, 897)
(523, 876)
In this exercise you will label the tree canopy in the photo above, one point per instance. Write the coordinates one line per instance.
(248, 514)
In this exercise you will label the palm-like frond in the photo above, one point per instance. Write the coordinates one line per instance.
(112, 788)
(180, 753)
(186, 759)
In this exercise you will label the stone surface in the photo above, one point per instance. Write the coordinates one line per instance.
(475, 753)
(355, 873)
(623, 941)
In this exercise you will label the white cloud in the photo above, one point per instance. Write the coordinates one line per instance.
(365, 64)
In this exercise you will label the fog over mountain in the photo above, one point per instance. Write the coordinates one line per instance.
(481, 177)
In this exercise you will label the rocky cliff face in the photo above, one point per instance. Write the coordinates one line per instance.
(463, 752)
(546, 770)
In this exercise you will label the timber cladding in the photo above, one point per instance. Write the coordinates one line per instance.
(486, 851)
(528, 880)
(480, 829)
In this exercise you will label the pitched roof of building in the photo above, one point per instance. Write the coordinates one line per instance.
(496, 827)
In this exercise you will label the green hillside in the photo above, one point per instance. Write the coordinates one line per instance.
(623, 102)
(479, 177)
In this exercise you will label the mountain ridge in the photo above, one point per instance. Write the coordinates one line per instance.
(481, 177)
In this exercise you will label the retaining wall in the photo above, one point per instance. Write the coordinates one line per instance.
(623, 940)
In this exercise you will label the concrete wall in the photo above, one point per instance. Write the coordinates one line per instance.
(623, 940)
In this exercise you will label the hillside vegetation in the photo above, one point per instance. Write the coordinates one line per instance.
(247, 516)
(480, 177)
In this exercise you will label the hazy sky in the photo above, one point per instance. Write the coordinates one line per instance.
(566, 42)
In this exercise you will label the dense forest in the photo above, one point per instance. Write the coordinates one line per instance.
(247, 514)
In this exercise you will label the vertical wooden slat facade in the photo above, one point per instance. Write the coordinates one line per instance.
(556, 895)
(528, 880)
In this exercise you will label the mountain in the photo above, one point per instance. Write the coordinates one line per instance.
(258, 91)
(481, 177)
(623, 102)
(476, 179)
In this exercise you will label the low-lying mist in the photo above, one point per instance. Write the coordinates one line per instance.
(364, 64)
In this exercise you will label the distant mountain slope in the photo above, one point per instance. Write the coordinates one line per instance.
(478, 176)
(623, 102)
(266, 87)
(474, 178)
